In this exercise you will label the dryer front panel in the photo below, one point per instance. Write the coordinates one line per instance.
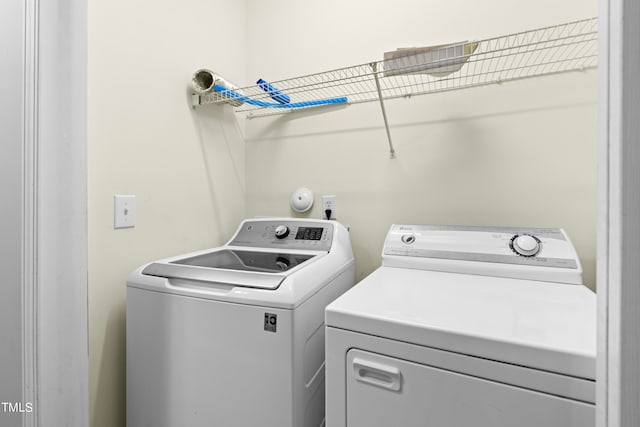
(384, 391)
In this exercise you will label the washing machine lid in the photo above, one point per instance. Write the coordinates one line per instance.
(238, 267)
(541, 325)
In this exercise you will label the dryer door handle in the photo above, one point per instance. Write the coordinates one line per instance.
(377, 374)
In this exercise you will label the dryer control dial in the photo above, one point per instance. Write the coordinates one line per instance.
(525, 245)
(282, 231)
(408, 238)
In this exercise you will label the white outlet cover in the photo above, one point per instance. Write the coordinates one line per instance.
(329, 203)
(124, 211)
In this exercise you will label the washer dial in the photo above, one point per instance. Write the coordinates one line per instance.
(282, 231)
(525, 245)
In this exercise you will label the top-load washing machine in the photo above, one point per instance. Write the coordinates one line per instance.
(234, 336)
(465, 327)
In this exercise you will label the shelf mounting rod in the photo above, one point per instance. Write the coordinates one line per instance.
(374, 66)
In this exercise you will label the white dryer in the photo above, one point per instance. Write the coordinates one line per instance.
(465, 327)
(234, 336)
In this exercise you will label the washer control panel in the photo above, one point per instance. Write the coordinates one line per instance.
(543, 247)
(289, 234)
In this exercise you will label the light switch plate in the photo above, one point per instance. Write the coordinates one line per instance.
(124, 211)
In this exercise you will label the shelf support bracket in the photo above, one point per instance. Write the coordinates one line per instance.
(374, 66)
(195, 100)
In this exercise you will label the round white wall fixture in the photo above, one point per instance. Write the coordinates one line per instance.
(301, 199)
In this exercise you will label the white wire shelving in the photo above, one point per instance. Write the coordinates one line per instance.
(551, 50)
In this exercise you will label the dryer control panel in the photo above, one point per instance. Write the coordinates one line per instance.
(501, 251)
(285, 233)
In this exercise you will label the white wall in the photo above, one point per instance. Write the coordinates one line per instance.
(522, 153)
(186, 167)
(11, 85)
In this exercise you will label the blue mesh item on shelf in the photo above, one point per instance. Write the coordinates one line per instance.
(275, 93)
(240, 97)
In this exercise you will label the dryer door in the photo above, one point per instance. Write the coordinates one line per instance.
(384, 391)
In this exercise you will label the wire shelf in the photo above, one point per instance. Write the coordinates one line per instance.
(551, 50)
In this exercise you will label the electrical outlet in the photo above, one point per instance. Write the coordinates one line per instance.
(329, 206)
(124, 211)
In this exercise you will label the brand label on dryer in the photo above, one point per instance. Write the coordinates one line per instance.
(270, 322)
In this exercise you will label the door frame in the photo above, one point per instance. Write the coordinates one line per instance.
(54, 230)
(618, 216)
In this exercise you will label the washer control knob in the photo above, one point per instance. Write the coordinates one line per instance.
(408, 238)
(525, 245)
(282, 231)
